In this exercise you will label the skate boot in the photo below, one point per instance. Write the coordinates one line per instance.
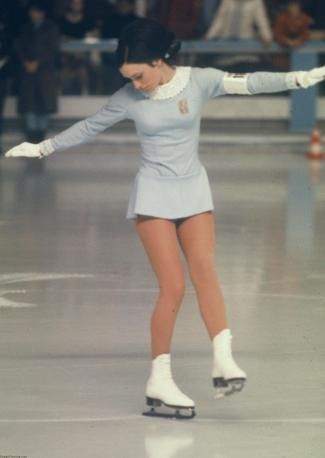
(227, 377)
(162, 391)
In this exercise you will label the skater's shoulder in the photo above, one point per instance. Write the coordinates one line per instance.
(202, 74)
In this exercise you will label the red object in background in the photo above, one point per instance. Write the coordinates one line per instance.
(292, 31)
(180, 16)
(315, 147)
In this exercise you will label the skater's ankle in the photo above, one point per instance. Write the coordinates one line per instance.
(222, 332)
(160, 355)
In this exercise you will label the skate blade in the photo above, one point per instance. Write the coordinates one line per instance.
(180, 412)
(228, 387)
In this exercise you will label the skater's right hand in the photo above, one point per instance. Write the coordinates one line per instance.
(25, 149)
(309, 78)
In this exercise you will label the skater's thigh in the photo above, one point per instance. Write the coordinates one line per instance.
(197, 238)
(159, 238)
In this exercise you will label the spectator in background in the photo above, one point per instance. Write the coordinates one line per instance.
(141, 6)
(93, 8)
(75, 24)
(208, 10)
(18, 15)
(180, 16)
(291, 29)
(16, 12)
(316, 10)
(241, 19)
(273, 7)
(292, 26)
(123, 14)
(37, 50)
(112, 24)
(58, 8)
(5, 61)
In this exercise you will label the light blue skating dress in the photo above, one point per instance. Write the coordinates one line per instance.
(171, 181)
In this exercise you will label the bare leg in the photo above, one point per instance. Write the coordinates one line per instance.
(159, 238)
(197, 239)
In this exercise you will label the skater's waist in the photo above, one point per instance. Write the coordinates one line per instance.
(161, 173)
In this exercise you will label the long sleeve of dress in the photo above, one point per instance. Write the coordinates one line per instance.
(84, 131)
(266, 82)
(212, 82)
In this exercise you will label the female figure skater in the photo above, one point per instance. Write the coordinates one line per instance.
(171, 200)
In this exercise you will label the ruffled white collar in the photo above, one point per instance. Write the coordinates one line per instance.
(173, 87)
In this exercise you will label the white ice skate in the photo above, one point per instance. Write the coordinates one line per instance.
(227, 377)
(161, 390)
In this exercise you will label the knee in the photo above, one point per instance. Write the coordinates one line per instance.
(203, 271)
(173, 291)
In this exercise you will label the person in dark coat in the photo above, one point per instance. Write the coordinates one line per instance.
(75, 68)
(17, 11)
(5, 61)
(37, 51)
(115, 21)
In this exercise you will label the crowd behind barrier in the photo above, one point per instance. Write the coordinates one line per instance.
(51, 47)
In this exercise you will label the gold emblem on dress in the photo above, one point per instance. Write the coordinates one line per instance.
(183, 106)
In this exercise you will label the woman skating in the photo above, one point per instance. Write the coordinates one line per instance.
(171, 201)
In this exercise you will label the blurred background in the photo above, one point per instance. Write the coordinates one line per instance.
(68, 46)
(76, 290)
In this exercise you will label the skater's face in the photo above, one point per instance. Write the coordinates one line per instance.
(144, 77)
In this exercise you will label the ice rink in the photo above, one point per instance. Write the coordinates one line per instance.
(76, 294)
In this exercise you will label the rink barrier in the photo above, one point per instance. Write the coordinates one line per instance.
(302, 109)
(303, 103)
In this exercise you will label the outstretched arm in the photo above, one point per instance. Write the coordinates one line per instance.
(263, 82)
(81, 132)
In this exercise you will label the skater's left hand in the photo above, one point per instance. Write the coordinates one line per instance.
(311, 77)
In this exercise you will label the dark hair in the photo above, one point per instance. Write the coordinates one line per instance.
(145, 40)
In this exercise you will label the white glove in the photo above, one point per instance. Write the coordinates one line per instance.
(306, 79)
(25, 150)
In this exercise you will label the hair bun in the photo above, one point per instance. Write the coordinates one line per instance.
(145, 40)
(173, 49)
